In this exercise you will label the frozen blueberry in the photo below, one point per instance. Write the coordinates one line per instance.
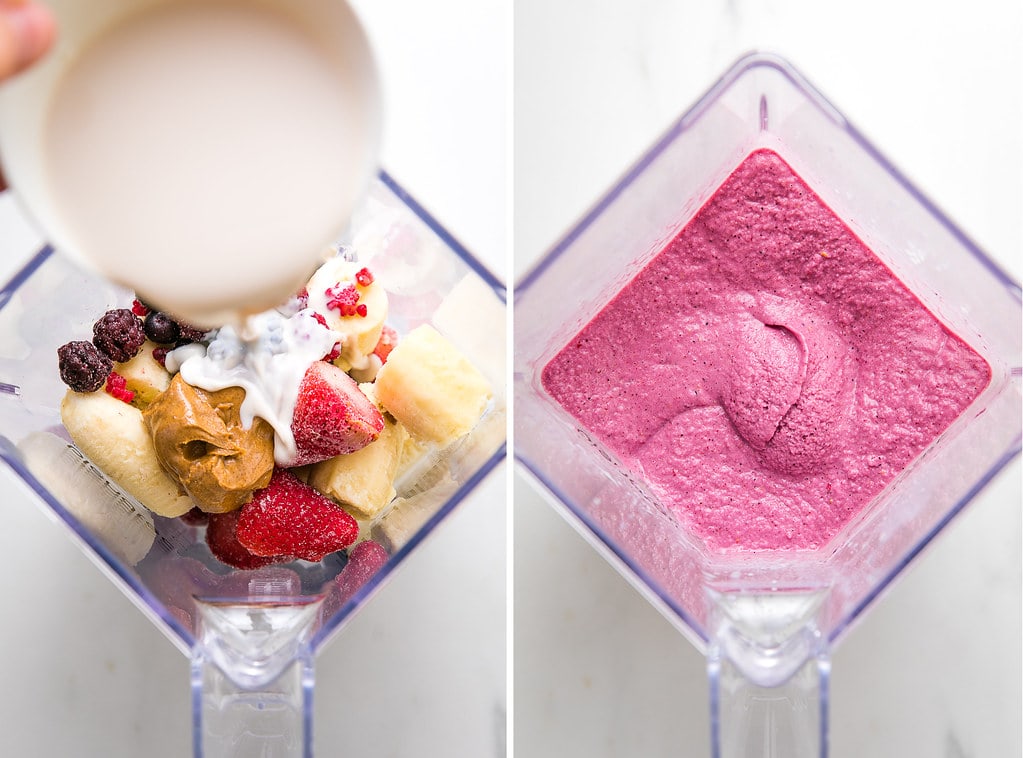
(160, 327)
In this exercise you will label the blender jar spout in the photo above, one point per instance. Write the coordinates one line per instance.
(252, 678)
(768, 667)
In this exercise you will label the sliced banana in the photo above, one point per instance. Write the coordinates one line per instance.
(113, 436)
(361, 333)
(144, 375)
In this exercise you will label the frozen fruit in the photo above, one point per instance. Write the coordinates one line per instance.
(82, 366)
(223, 541)
(117, 387)
(196, 517)
(337, 280)
(188, 333)
(145, 375)
(290, 517)
(114, 437)
(118, 334)
(363, 481)
(332, 415)
(364, 560)
(388, 339)
(431, 388)
(161, 328)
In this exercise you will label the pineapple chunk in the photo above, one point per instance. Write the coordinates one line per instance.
(431, 388)
(144, 375)
(363, 481)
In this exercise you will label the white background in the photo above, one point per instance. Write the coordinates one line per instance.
(421, 671)
(934, 668)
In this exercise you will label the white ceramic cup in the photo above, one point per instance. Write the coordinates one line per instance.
(26, 102)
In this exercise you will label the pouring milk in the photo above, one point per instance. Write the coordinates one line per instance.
(203, 153)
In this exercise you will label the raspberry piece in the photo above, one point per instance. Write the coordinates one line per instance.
(118, 334)
(222, 540)
(289, 516)
(139, 308)
(161, 328)
(117, 386)
(160, 355)
(342, 298)
(363, 277)
(364, 560)
(334, 353)
(83, 367)
(386, 343)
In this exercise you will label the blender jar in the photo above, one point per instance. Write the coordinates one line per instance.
(766, 622)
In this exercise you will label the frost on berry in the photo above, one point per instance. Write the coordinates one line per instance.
(222, 540)
(364, 560)
(82, 366)
(290, 517)
(118, 334)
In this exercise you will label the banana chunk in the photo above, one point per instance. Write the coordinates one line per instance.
(144, 375)
(363, 481)
(431, 388)
(113, 436)
(329, 289)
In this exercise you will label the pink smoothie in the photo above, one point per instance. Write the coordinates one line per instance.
(765, 374)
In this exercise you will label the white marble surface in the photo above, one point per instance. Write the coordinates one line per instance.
(421, 671)
(934, 668)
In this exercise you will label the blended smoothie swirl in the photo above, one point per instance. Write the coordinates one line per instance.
(765, 374)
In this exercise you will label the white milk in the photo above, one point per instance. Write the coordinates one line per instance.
(205, 153)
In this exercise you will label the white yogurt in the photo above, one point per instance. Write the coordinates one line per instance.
(268, 359)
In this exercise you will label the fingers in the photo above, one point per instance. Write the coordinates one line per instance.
(27, 31)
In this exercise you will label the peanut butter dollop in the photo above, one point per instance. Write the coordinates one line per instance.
(202, 444)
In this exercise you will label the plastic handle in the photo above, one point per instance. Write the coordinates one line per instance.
(768, 666)
(271, 721)
(252, 675)
(786, 720)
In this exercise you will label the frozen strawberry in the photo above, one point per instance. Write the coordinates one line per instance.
(222, 539)
(388, 339)
(290, 517)
(332, 416)
(195, 517)
(364, 560)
